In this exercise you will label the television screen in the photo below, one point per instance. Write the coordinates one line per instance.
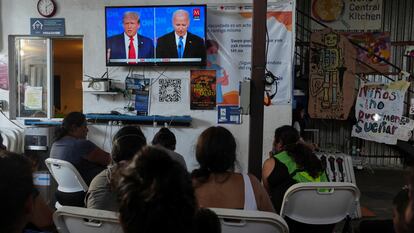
(155, 35)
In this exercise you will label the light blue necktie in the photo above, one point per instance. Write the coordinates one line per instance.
(180, 47)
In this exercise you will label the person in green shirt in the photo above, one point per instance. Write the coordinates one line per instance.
(291, 161)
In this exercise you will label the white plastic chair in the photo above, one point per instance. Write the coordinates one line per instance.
(6, 139)
(320, 203)
(68, 178)
(69, 219)
(247, 221)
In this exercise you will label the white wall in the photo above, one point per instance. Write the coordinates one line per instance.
(86, 18)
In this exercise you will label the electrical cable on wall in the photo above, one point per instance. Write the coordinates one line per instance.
(270, 80)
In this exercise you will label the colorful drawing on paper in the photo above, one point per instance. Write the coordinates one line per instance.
(332, 66)
(376, 52)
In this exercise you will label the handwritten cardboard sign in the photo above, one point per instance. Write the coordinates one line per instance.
(379, 109)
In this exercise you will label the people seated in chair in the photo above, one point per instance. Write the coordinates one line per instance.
(215, 182)
(72, 146)
(289, 162)
(155, 194)
(19, 200)
(166, 139)
(125, 144)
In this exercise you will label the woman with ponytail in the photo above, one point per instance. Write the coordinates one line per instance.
(215, 181)
(290, 162)
(71, 145)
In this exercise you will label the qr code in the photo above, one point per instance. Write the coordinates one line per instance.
(169, 90)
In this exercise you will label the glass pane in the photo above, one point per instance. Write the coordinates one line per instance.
(31, 73)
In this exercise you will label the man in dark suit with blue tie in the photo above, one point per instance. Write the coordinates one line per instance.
(129, 46)
(180, 43)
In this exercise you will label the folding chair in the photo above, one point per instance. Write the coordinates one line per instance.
(247, 221)
(320, 203)
(68, 178)
(70, 219)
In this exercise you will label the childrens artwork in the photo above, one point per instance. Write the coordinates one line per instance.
(203, 89)
(332, 71)
(379, 109)
(377, 51)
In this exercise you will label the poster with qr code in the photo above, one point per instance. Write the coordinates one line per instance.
(169, 90)
(170, 96)
(203, 89)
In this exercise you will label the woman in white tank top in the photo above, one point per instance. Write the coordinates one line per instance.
(215, 182)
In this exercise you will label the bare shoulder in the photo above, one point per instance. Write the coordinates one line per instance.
(268, 166)
(253, 179)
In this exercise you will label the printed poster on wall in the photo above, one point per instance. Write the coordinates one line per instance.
(229, 48)
(377, 45)
(203, 90)
(347, 14)
(379, 109)
(228, 114)
(332, 75)
(142, 96)
(4, 73)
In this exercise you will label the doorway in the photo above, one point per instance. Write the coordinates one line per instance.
(67, 75)
(48, 76)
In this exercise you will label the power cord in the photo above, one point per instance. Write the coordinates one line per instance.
(271, 86)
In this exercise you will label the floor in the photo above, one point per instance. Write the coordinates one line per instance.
(378, 188)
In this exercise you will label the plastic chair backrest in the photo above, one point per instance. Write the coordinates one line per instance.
(68, 178)
(6, 139)
(247, 221)
(335, 175)
(320, 203)
(70, 219)
(11, 137)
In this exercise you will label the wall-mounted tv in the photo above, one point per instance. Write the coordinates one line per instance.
(155, 35)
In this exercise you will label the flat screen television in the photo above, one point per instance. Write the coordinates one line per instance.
(155, 35)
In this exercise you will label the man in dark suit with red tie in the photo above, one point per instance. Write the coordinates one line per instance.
(129, 46)
(180, 43)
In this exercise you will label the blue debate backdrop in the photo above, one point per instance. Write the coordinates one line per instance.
(156, 21)
(163, 20)
(114, 17)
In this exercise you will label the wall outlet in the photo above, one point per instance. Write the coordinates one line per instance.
(3, 105)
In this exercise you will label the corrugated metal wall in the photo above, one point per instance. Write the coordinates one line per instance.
(335, 135)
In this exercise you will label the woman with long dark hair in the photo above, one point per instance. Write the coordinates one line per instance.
(125, 144)
(155, 194)
(71, 145)
(290, 162)
(215, 181)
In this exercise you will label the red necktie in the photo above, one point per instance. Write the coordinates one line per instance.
(131, 52)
